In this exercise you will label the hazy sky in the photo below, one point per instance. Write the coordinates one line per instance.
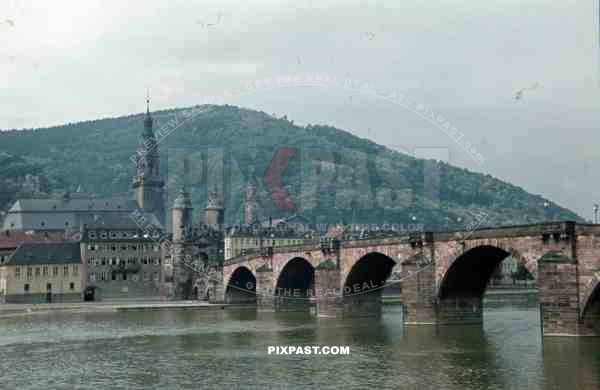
(65, 61)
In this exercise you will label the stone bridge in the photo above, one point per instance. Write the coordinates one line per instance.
(443, 275)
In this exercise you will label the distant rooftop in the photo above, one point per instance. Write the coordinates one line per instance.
(74, 202)
(12, 239)
(46, 253)
(72, 211)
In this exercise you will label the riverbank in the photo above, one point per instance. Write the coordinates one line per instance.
(10, 310)
(492, 295)
(13, 309)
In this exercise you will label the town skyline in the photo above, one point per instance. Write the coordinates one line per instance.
(468, 79)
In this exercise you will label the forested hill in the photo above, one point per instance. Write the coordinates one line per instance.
(96, 155)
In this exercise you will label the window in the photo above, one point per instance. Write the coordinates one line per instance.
(124, 276)
(155, 275)
(75, 270)
(146, 276)
(66, 270)
(17, 273)
(92, 277)
(29, 273)
(26, 287)
(114, 276)
(72, 286)
(54, 271)
(37, 272)
(45, 271)
(48, 286)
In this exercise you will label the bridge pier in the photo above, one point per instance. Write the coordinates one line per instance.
(558, 293)
(265, 282)
(216, 291)
(332, 302)
(418, 293)
(328, 293)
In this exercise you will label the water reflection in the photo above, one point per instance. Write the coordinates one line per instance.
(225, 348)
(569, 360)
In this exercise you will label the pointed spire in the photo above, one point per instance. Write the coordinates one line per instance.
(147, 101)
(148, 133)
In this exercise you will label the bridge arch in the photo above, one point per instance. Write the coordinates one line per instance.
(241, 287)
(295, 283)
(468, 274)
(590, 305)
(368, 275)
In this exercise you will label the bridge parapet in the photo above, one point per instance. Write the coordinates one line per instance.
(268, 251)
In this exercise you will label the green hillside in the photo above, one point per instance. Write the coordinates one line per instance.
(96, 155)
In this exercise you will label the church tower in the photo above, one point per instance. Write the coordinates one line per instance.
(214, 210)
(181, 217)
(148, 186)
(180, 272)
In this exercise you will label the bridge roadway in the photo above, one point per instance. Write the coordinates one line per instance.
(443, 275)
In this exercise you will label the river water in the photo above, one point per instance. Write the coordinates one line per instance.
(214, 349)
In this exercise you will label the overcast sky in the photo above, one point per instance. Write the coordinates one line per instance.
(69, 61)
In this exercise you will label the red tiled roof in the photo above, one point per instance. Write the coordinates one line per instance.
(335, 231)
(12, 239)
